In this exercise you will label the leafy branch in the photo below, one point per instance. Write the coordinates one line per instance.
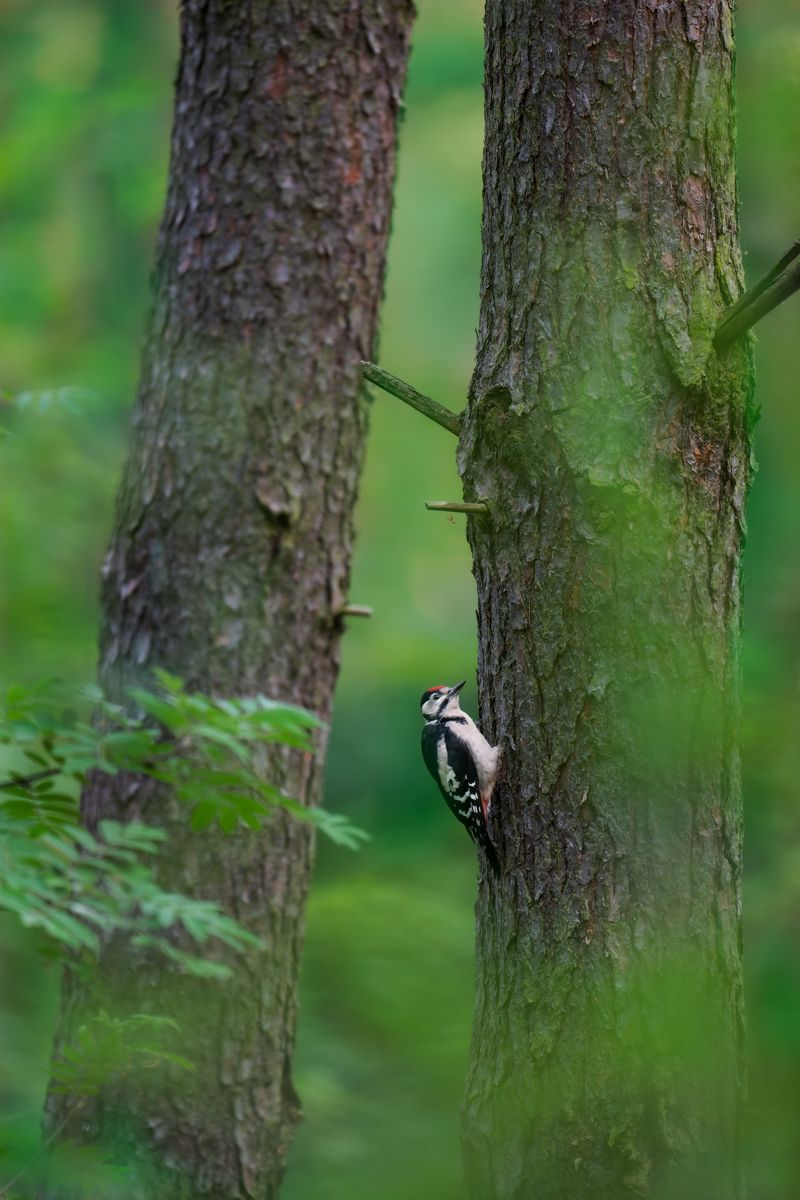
(214, 754)
(105, 1049)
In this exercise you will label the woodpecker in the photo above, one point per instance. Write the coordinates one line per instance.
(461, 761)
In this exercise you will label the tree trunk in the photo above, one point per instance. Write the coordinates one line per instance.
(612, 446)
(231, 548)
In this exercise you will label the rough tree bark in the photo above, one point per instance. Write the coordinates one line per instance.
(230, 554)
(611, 444)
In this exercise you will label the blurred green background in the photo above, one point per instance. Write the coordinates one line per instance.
(85, 92)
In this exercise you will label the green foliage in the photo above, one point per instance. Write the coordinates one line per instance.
(108, 1048)
(76, 886)
(216, 769)
(105, 1049)
(44, 401)
(65, 399)
(70, 1171)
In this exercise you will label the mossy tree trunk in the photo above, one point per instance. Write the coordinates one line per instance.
(611, 444)
(231, 548)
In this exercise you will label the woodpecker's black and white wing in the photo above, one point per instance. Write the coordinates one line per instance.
(449, 761)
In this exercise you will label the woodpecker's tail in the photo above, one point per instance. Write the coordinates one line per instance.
(491, 853)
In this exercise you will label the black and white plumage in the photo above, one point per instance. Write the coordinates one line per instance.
(461, 761)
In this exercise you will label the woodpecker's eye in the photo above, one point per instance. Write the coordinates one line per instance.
(433, 697)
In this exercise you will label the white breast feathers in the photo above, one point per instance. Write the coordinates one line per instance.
(484, 756)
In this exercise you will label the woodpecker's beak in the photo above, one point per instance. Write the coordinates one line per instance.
(455, 690)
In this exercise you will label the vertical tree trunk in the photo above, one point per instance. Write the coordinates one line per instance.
(611, 444)
(231, 549)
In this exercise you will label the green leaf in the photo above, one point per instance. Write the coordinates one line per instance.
(224, 739)
(203, 815)
(227, 820)
(170, 683)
